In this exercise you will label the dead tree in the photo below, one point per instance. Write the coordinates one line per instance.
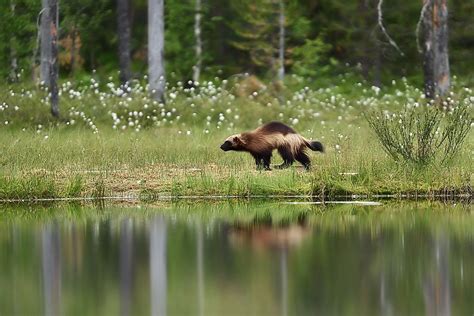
(124, 34)
(433, 45)
(49, 51)
(281, 41)
(53, 62)
(197, 34)
(45, 37)
(156, 41)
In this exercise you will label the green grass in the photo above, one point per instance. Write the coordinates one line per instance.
(179, 156)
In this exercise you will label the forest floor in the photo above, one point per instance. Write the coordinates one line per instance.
(109, 145)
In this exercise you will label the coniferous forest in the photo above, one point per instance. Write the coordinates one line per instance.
(320, 38)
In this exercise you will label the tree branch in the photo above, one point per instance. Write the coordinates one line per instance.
(418, 25)
(384, 31)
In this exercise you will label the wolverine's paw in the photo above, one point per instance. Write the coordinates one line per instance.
(282, 166)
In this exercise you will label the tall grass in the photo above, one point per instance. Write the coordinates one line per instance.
(120, 142)
(423, 134)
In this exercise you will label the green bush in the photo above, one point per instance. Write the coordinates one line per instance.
(422, 135)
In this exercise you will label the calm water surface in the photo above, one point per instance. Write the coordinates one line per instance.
(237, 259)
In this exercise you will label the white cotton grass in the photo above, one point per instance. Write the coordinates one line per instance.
(211, 105)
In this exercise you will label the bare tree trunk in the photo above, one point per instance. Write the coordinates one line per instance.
(197, 34)
(13, 55)
(156, 34)
(377, 63)
(281, 46)
(53, 62)
(73, 51)
(45, 36)
(434, 47)
(124, 34)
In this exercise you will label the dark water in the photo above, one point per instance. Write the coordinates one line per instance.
(237, 259)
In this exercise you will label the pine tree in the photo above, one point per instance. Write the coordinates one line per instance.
(256, 28)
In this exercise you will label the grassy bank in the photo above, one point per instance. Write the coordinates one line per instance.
(110, 143)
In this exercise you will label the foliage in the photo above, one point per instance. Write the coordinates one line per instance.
(424, 134)
(311, 59)
(238, 36)
(256, 30)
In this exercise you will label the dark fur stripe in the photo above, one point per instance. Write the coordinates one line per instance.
(276, 127)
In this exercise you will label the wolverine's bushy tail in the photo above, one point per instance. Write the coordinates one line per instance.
(316, 146)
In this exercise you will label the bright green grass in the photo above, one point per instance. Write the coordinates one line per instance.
(154, 162)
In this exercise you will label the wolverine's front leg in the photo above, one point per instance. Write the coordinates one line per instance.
(258, 161)
(266, 162)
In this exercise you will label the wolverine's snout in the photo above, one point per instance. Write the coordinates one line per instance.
(226, 146)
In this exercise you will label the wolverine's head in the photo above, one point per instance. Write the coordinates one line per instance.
(233, 142)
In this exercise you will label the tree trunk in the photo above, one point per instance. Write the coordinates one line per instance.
(197, 34)
(13, 55)
(434, 30)
(45, 36)
(281, 46)
(377, 63)
(73, 51)
(53, 61)
(124, 34)
(156, 34)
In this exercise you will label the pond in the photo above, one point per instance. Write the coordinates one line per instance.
(237, 258)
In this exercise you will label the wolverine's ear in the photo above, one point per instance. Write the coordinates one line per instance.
(238, 140)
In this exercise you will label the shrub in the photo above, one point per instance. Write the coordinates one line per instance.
(422, 135)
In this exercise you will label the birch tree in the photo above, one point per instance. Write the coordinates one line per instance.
(433, 30)
(197, 34)
(124, 34)
(156, 34)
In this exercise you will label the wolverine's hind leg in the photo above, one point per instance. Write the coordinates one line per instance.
(303, 158)
(287, 156)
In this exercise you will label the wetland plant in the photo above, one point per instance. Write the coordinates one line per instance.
(422, 134)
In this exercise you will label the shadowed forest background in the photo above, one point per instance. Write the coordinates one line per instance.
(322, 38)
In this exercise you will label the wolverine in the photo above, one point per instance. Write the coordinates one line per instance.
(274, 135)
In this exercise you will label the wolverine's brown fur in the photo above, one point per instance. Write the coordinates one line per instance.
(274, 135)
